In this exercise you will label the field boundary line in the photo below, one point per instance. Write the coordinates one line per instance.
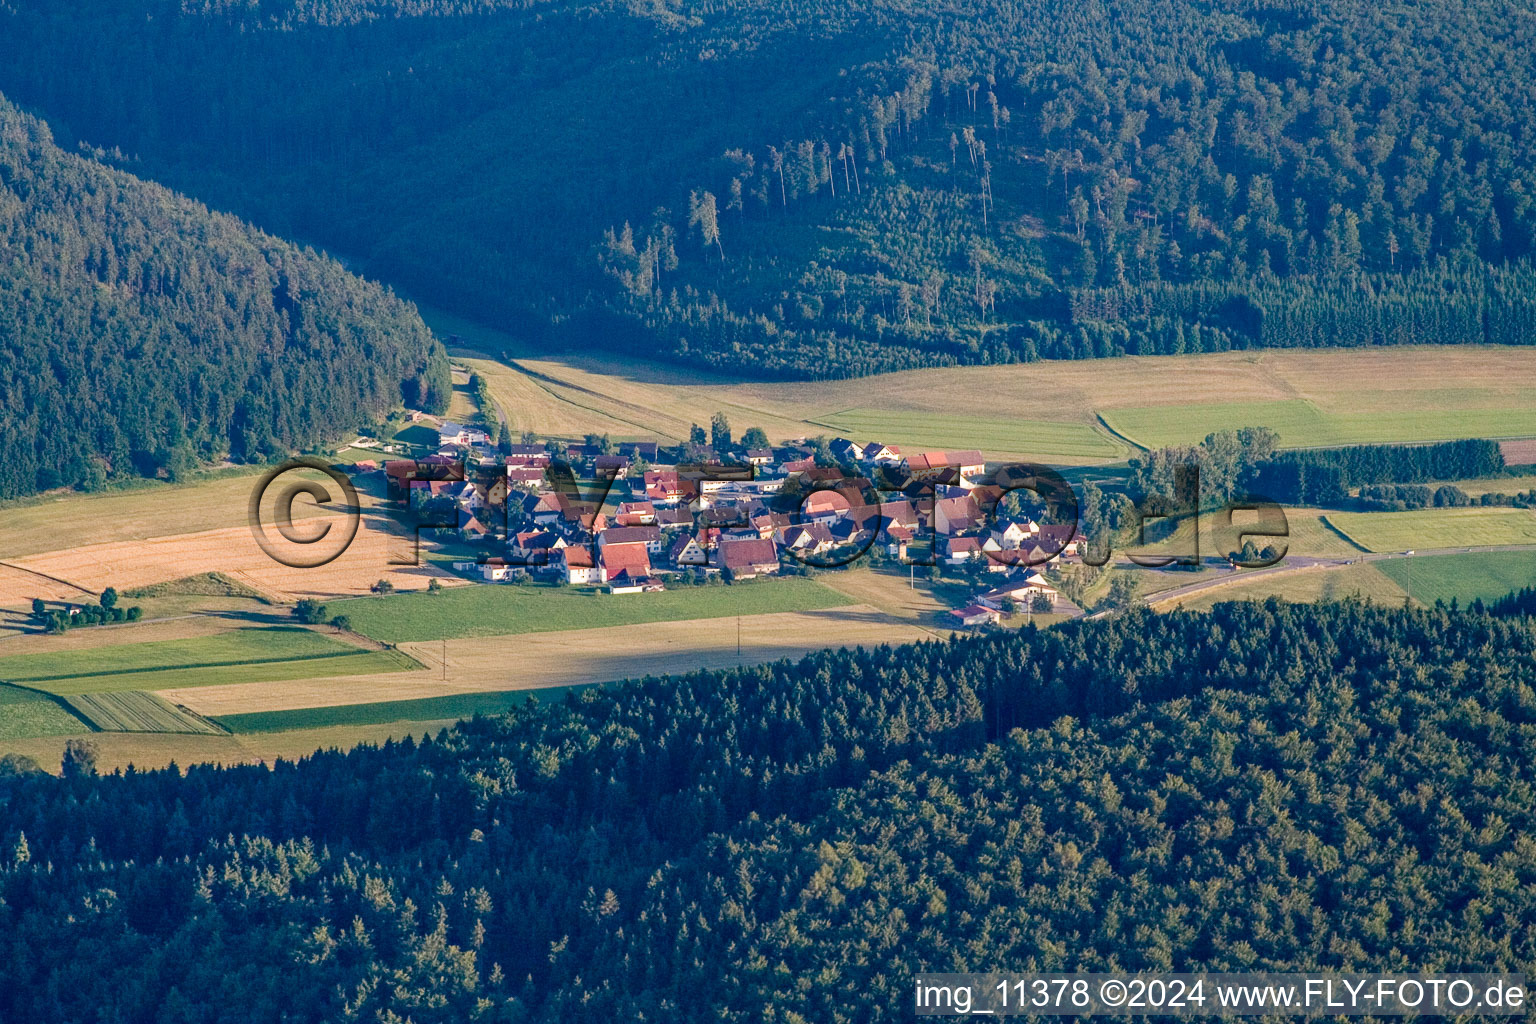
(1135, 445)
(1336, 528)
(546, 383)
(46, 576)
(206, 664)
(1328, 524)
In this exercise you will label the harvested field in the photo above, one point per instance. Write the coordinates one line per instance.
(136, 711)
(1519, 453)
(1320, 583)
(234, 552)
(118, 750)
(571, 657)
(48, 522)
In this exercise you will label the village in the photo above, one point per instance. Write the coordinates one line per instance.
(637, 517)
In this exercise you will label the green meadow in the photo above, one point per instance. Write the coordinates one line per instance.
(236, 656)
(500, 609)
(1302, 424)
(930, 431)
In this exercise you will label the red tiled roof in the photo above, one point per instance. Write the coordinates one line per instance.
(744, 554)
(630, 558)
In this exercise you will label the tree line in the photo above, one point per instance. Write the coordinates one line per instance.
(1325, 476)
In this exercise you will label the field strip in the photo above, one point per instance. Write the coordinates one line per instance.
(233, 551)
(321, 656)
(1135, 446)
(136, 711)
(546, 382)
(1188, 590)
(180, 627)
(564, 658)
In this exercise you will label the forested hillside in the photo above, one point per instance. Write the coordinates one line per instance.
(141, 333)
(1261, 787)
(796, 189)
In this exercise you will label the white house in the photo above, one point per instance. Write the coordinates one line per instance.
(451, 433)
(580, 567)
(1023, 589)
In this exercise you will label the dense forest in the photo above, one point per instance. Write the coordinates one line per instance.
(141, 334)
(1264, 787)
(790, 188)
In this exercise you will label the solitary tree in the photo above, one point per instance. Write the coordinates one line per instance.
(342, 624)
(720, 432)
(79, 759)
(108, 597)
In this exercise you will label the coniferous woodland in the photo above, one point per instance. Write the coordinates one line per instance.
(141, 334)
(1261, 787)
(1234, 463)
(793, 188)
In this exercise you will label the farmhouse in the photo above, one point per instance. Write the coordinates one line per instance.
(811, 539)
(525, 477)
(452, 434)
(844, 450)
(662, 486)
(1023, 589)
(1010, 536)
(688, 551)
(611, 466)
(580, 566)
(673, 518)
(648, 536)
(635, 513)
(956, 515)
(498, 570)
(977, 615)
(968, 465)
(646, 450)
(631, 558)
(747, 558)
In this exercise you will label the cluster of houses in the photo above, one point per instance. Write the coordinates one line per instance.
(625, 517)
